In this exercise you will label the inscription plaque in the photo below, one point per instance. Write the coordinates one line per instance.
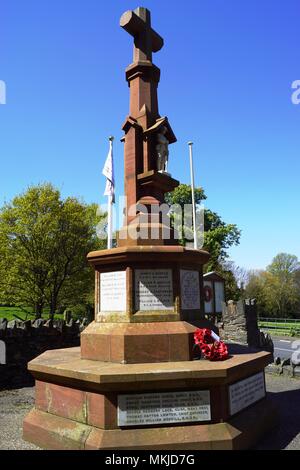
(246, 392)
(161, 408)
(153, 289)
(190, 290)
(113, 291)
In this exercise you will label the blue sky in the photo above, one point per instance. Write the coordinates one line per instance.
(227, 69)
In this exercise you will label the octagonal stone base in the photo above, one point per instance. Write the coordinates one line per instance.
(127, 263)
(76, 403)
(243, 432)
(133, 343)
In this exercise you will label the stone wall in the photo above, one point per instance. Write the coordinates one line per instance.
(25, 340)
(239, 324)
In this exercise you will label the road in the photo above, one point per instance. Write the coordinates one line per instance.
(285, 347)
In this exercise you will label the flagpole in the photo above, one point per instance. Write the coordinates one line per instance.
(109, 208)
(190, 144)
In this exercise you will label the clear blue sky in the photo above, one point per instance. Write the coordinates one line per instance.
(227, 69)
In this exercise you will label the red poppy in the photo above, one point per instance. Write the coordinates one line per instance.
(211, 349)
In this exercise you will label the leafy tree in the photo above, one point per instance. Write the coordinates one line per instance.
(254, 289)
(284, 266)
(280, 288)
(277, 289)
(218, 236)
(235, 279)
(183, 195)
(44, 240)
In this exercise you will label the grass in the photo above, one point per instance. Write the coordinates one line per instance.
(282, 325)
(286, 333)
(15, 313)
(281, 328)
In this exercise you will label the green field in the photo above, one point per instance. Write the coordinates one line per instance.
(10, 312)
(282, 325)
(281, 328)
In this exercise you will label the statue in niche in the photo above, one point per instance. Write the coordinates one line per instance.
(162, 150)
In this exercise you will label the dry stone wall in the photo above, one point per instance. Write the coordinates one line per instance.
(22, 341)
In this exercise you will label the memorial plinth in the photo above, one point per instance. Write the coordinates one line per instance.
(143, 306)
(85, 404)
(133, 383)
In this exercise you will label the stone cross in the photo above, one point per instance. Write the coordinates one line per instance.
(146, 40)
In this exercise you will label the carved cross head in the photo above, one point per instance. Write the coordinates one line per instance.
(146, 40)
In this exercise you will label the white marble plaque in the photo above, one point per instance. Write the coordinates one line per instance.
(113, 291)
(161, 408)
(190, 290)
(153, 289)
(246, 392)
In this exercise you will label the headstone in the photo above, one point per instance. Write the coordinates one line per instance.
(39, 323)
(3, 324)
(67, 315)
(49, 323)
(12, 324)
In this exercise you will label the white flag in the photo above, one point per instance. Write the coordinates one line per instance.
(108, 172)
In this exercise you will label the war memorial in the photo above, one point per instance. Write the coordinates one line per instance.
(134, 382)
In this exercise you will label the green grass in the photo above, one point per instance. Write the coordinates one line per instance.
(282, 333)
(282, 325)
(10, 312)
(281, 328)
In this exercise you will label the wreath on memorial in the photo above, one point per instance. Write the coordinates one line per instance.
(210, 345)
(207, 293)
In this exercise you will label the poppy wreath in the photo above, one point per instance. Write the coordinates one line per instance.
(210, 348)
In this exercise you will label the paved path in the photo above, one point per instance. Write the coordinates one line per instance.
(285, 392)
(284, 346)
(14, 404)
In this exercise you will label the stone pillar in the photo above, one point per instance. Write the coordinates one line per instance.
(240, 322)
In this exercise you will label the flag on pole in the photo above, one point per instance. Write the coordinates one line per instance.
(108, 172)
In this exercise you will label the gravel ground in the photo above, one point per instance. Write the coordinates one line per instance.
(14, 404)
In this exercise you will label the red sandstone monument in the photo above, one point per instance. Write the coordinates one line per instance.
(133, 383)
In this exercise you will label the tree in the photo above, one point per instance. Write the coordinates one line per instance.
(183, 195)
(280, 289)
(277, 289)
(254, 289)
(284, 266)
(218, 236)
(236, 279)
(44, 240)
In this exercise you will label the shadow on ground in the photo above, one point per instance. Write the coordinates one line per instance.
(286, 435)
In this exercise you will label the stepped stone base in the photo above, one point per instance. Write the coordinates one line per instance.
(131, 343)
(54, 432)
(76, 403)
